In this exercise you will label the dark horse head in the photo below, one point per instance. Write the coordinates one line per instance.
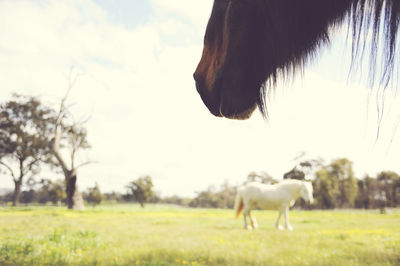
(249, 43)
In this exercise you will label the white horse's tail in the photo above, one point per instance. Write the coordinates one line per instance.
(238, 204)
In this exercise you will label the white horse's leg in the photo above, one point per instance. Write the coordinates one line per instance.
(245, 220)
(286, 215)
(246, 212)
(277, 225)
(253, 222)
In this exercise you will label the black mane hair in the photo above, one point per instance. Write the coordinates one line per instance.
(298, 28)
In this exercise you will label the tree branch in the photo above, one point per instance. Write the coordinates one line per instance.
(31, 164)
(10, 170)
(56, 147)
(73, 146)
(58, 129)
(85, 163)
(57, 137)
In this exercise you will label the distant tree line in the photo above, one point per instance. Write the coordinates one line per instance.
(51, 192)
(42, 192)
(335, 186)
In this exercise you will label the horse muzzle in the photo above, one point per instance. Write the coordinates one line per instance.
(221, 106)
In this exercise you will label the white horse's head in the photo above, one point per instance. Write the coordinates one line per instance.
(306, 192)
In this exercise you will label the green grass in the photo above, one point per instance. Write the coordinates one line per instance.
(168, 235)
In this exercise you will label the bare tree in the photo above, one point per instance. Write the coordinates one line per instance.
(74, 135)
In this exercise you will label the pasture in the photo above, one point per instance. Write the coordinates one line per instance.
(169, 235)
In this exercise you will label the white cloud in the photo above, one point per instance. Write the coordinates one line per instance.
(195, 12)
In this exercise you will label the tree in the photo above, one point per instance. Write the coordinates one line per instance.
(24, 130)
(342, 169)
(176, 200)
(304, 169)
(113, 196)
(51, 191)
(141, 189)
(262, 177)
(205, 199)
(227, 195)
(324, 190)
(71, 134)
(389, 185)
(223, 198)
(368, 195)
(94, 195)
(294, 174)
(335, 185)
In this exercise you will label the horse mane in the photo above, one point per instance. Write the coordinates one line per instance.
(368, 21)
(289, 183)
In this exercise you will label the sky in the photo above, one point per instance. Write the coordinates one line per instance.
(135, 59)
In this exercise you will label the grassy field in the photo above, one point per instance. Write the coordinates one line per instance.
(168, 235)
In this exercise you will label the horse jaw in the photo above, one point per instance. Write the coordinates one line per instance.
(222, 101)
(243, 115)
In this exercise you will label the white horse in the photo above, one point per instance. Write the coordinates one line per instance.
(280, 197)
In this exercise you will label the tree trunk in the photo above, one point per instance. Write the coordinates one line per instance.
(74, 197)
(394, 198)
(17, 192)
